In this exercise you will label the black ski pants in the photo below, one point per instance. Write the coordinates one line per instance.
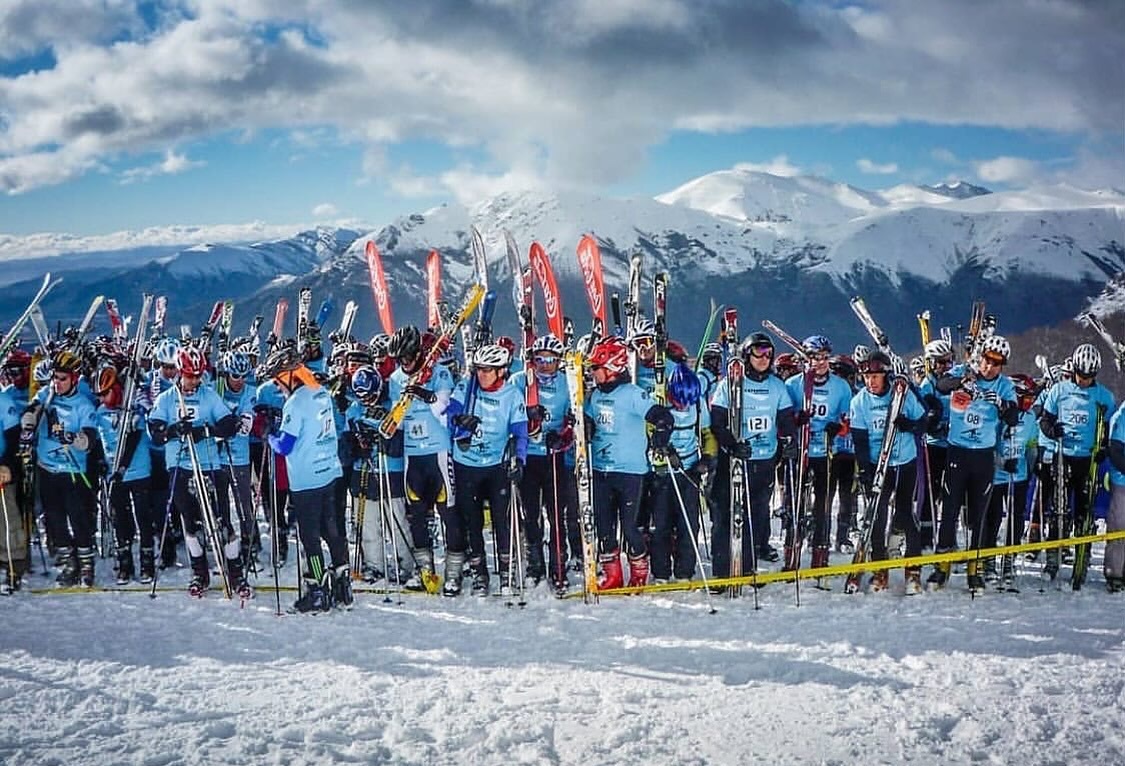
(464, 523)
(968, 480)
(760, 476)
(425, 491)
(616, 497)
(898, 486)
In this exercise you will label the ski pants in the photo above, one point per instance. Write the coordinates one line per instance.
(159, 487)
(425, 492)
(898, 486)
(186, 497)
(316, 520)
(368, 487)
(760, 475)
(234, 481)
(133, 514)
(968, 480)
(616, 496)
(464, 523)
(66, 508)
(1114, 522)
(13, 537)
(816, 475)
(673, 539)
(841, 487)
(1000, 508)
(938, 458)
(547, 485)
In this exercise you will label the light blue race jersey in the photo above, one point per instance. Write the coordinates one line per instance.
(64, 417)
(1015, 441)
(761, 403)
(10, 411)
(241, 405)
(620, 442)
(974, 422)
(107, 421)
(424, 427)
(1117, 433)
(498, 411)
(868, 413)
(1076, 409)
(830, 402)
(204, 407)
(554, 396)
(307, 416)
(687, 424)
(928, 387)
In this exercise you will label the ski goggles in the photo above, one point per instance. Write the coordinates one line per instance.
(991, 358)
(643, 344)
(761, 351)
(546, 359)
(822, 356)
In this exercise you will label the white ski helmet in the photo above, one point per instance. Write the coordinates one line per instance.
(898, 365)
(860, 353)
(43, 371)
(917, 365)
(548, 343)
(167, 352)
(938, 349)
(1086, 360)
(493, 355)
(997, 345)
(643, 328)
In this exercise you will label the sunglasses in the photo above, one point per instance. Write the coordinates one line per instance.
(819, 357)
(644, 344)
(546, 359)
(992, 359)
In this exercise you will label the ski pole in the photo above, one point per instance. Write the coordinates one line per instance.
(694, 542)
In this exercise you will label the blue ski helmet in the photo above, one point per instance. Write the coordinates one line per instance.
(817, 344)
(367, 384)
(684, 388)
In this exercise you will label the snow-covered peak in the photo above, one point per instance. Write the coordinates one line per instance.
(756, 196)
(957, 189)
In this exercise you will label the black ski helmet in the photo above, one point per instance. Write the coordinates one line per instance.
(755, 340)
(406, 343)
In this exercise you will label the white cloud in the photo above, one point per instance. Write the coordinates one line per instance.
(475, 76)
(172, 164)
(325, 210)
(1007, 170)
(943, 155)
(867, 166)
(778, 166)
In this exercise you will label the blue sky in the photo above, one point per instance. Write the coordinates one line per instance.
(116, 115)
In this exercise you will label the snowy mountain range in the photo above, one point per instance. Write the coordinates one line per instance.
(789, 248)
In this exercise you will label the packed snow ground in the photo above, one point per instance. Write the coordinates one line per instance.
(112, 678)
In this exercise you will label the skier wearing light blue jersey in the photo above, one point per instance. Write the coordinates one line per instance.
(130, 486)
(1072, 411)
(869, 412)
(162, 376)
(377, 482)
(826, 410)
(1114, 563)
(981, 399)
(617, 414)
(192, 410)
(16, 376)
(766, 428)
(232, 474)
(307, 440)
(484, 468)
(65, 431)
(938, 354)
(841, 469)
(691, 454)
(425, 442)
(1015, 454)
(545, 478)
(13, 544)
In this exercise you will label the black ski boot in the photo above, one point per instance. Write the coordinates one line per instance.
(314, 599)
(454, 571)
(148, 565)
(342, 586)
(68, 567)
(938, 577)
(236, 576)
(125, 565)
(200, 577)
(536, 566)
(86, 558)
(480, 576)
(1051, 567)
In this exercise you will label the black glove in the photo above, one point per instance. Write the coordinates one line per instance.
(1011, 465)
(557, 442)
(515, 471)
(673, 458)
(741, 451)
(905, 425)
(704, 466)
(180, 428)
(800, 417)
(537, 412)
(1099, 456)
(466, 422)
(989, 396)
(199, 433)
(832, 429)
(422, 393)
(1054, 431)
(790, 449)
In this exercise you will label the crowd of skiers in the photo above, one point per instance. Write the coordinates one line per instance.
(674, 445)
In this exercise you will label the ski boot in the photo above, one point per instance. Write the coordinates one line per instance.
(974, 578)
(124, 565)
(845, 546)
(86, 567)
(480, 576)
(769, 553)
(989, 571)
(1051, 567)
(913, 581)
(878, 582)
(536, 567)
(342, 586)
(1008, 573)
(371, 574)
(1034, 535)
(200, 577)
(314, 599)
(454, 570)
(236, 576)
(5, 581)
(939, 576)
(1114, 584)
(424, 570)
(68, 567)
(612, 576)
(504, 571)
(638, 570)
(148, 565)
